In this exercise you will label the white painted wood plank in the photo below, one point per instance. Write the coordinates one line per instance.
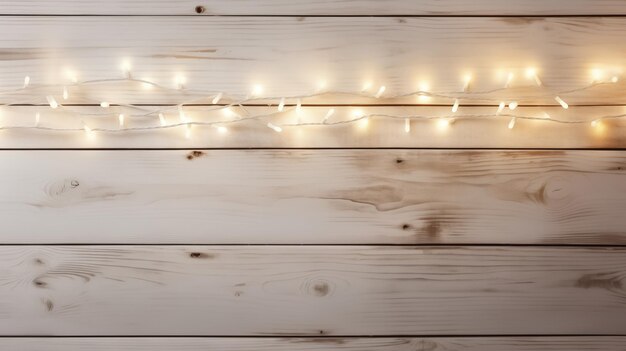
(304, 7)
(313, 196)
(289, 55)
(572, 343)
(488, 131)
(314, 290)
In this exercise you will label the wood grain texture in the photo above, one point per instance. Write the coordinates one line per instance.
(574, 343)
(289, 55)
(314, 197)
(311, 290)
(317, 7)
(489, 131)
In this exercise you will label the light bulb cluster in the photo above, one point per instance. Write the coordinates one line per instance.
(288, 103)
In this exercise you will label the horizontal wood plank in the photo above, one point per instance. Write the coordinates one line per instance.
(317, 7)
(314, 197)
(314, 290)
(291, 55)
(486, 131)
(574, 343)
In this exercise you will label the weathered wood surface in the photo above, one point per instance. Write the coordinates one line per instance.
(613, 343)
(290, 55)
(317, 7)
(311, 290)
(314, 197)
(488, 131)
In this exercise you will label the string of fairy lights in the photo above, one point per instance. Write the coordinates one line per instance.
(282, 105)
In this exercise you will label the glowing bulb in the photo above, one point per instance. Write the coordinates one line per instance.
(181, 114)
(512, 123)
(366, 86)
(71, 75)
(257, 90)
(87, 130)
(407, 125)
(443, 123)
(298, 106)
(532, 73)
(162, 120)
(546, 115)
(321, 86)
(26, 81)
(179, 80)
(228, 112)
(614, 79)
(423, 92)
(363, 122)
(455, 107)
(66, 93)
(275, 128)
(380, 91)
(513, 105)
(466, 82)
(281, 105)
(121, 119)
(217, 98)
(104, 104)
(595, 123)
(597, 75)
(222, 129)
(561, 102)
(328, 114)
(37, 118)
(52, 102)
(509, 79)
(500, 107)
(188, 131)
(126, 68)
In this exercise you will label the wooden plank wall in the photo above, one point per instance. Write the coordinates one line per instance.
(473, 237)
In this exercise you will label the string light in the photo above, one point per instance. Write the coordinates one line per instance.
(359, 117)
(595, 123)
(52, 101)
(37, 119)
(188, 131)
(222, 130)
(561, 102)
